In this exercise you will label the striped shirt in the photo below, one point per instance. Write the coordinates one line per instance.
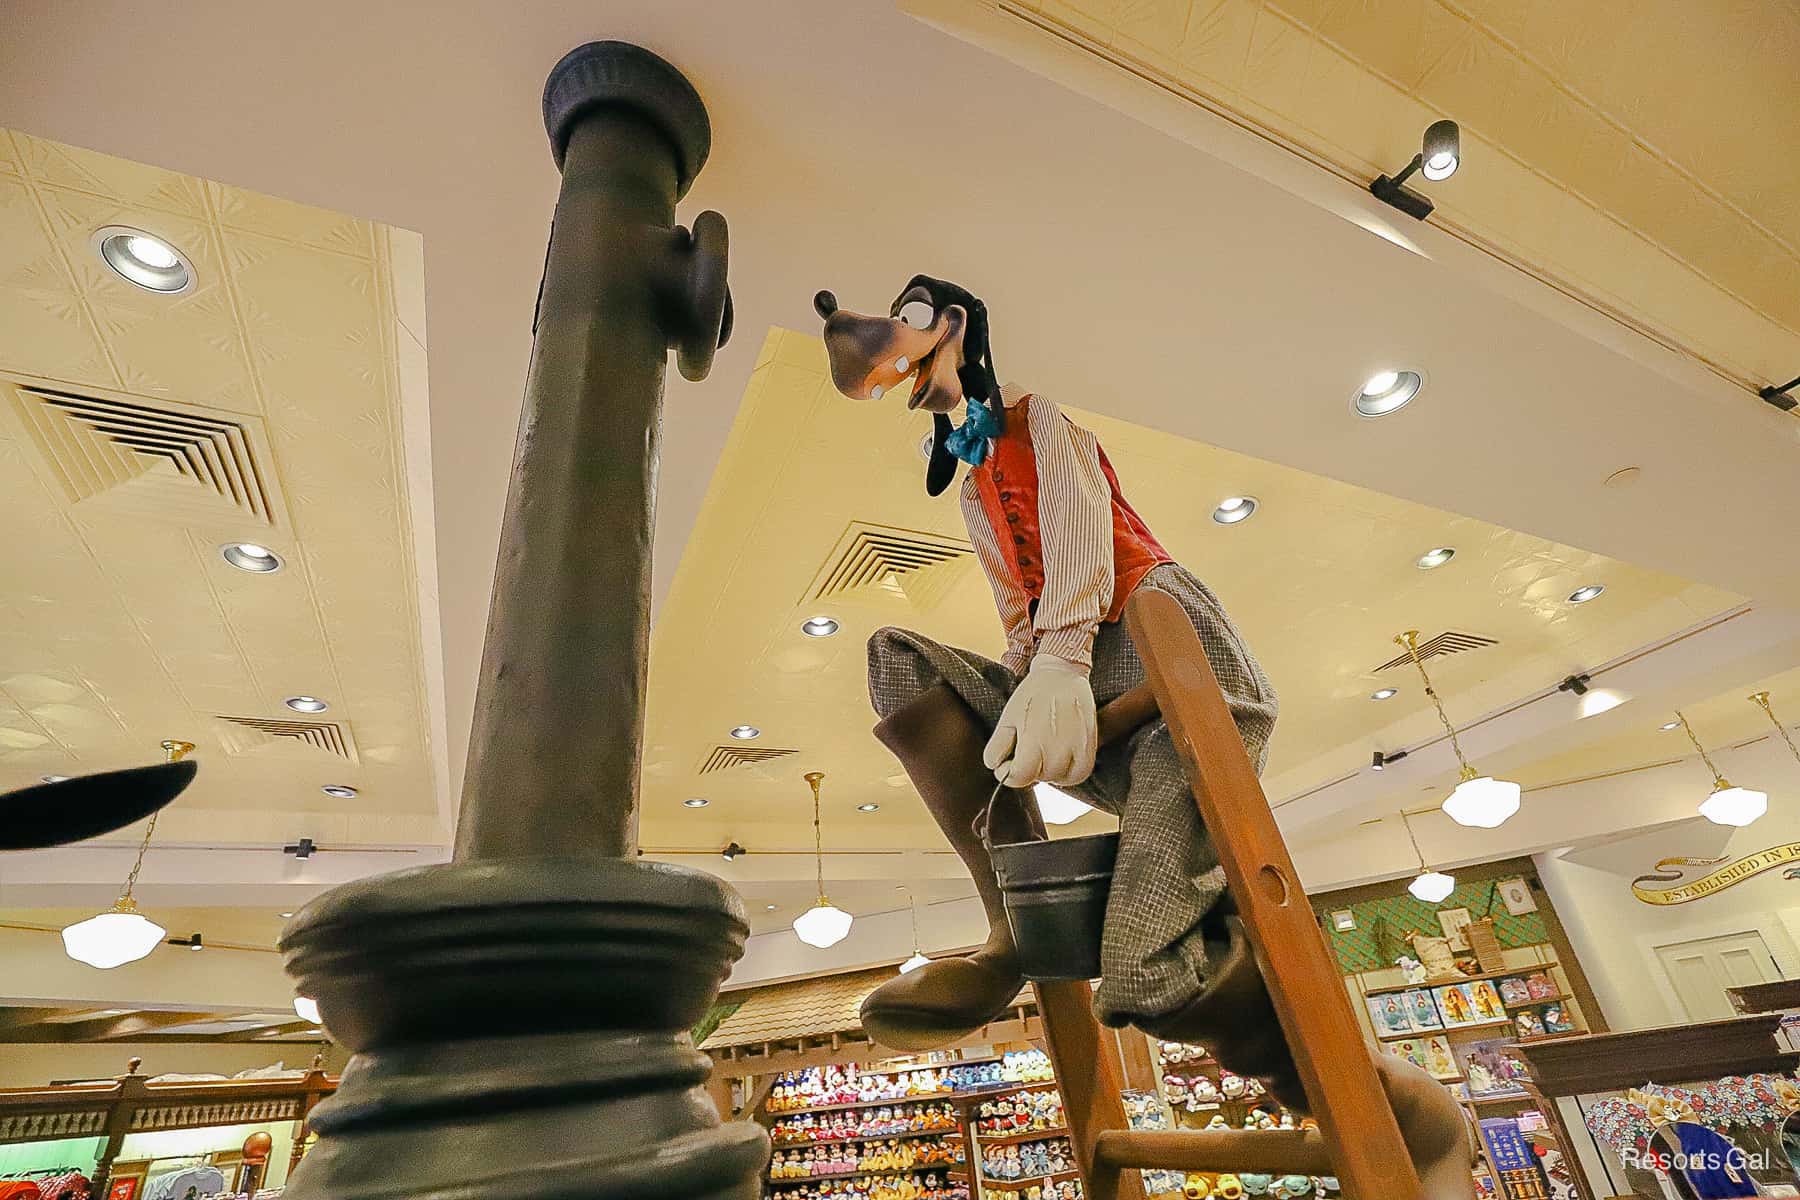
(1075, 522)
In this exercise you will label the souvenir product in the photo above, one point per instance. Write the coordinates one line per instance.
(1540, 986)
(1421, 1009)
(1513, 990)
(1528, 1023)
(1389, 1014)
(1485, 1000)
(1196, 1187)
(1556, 1019)
(1228, 1187)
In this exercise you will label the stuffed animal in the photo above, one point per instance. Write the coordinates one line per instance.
(1411, 969)
(1292, 1187)
(1228, 1187)
(1218, 1122)
(1256, 1185)
(1196, 1187)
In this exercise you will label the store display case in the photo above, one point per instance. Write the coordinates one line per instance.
(132, 1138)
(1695, 1112)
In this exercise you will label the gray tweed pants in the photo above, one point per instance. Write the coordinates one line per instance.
(1153, 956)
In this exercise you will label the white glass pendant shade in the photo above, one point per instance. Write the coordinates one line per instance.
(307, 1009)
(1057, 806)
(1734, 805)
(822, 925)
(1432, 886)
(914, 963)
(1482, 802)
(113, 939)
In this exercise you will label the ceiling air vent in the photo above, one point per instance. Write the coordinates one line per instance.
(724, 758)
(247, 734)
(152, 458)
(1448, 642)
(912, 566)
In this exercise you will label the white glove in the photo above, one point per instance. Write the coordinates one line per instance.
(1046, 732)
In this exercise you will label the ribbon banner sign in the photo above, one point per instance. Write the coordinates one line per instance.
(1651, 887)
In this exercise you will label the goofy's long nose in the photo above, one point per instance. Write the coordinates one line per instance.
(825, 304)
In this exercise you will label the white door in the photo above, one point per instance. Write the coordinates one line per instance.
(1703, 968)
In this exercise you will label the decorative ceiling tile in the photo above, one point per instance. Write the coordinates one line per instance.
(133, 184)
(318, 227)
(259, 406)
(1617, 104)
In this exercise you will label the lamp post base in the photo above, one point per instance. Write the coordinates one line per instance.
(520, 1029)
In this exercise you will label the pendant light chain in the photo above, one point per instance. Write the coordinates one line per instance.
(1414, 839)
(813, 777)
(1704, 756)
(174, 750)
(912, 905)
(1410, 639)
(125, 900)
(1761, 700)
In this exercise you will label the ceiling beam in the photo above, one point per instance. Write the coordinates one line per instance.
(21, 1017)
(105, 1029)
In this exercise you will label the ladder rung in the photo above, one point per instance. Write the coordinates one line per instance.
(1268, 1151)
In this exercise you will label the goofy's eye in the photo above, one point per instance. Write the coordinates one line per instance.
(916, 313)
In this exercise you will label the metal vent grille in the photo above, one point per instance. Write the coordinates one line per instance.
(724, 758)
(158, 459)
(1449, 642)
(328, 736)
(912, 565)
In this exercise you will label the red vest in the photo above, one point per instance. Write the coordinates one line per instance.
(1008, 483)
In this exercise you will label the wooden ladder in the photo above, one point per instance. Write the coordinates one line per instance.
(1358, 1139)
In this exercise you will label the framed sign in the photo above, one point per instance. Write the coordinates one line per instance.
(1516, 895)
(122, 1189)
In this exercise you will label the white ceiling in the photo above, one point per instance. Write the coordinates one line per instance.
(1130, 273)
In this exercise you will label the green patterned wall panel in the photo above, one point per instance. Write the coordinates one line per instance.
(1382, 925)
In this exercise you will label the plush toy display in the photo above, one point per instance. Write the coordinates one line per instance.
(1063, 550)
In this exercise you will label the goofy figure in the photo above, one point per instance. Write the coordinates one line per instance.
(1063, 551)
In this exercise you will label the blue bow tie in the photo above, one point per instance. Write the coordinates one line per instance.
(969, 441)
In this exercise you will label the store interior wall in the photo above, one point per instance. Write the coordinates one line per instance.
(1616, 935)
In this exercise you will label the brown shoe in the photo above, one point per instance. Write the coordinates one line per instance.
(939, 740)
(1234, 1018)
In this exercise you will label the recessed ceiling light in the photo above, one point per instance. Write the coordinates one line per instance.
(307, 704)
(54, 778)
(287, 914)
(1582, 595)
(768, 908)
(818, 627)
(144, 259)
(1233, 509)
(342, 791)
(1384, 694)
(744, 733)
(1436, 557)
(1668, 725)
(1386, 392)
(248, 556)
(868, 807)
(694, 802)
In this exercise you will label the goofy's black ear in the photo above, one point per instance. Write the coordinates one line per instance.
(941, 469)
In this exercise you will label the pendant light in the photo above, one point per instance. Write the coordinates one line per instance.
(1728, 805)
(1761, 700)
(823, 924)
(917, 960)
(1433, 887)
(1479, 801)
(122, 934)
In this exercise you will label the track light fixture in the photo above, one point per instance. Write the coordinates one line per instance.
(730, 853)
(1781, 396)
(1382, 760)
(1577, 684)
(304, 848)
(192, 941)
(1438, 157)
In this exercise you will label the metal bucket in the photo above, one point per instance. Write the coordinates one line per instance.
(1055, 895)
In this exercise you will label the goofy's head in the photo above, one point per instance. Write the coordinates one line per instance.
(935, 334)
